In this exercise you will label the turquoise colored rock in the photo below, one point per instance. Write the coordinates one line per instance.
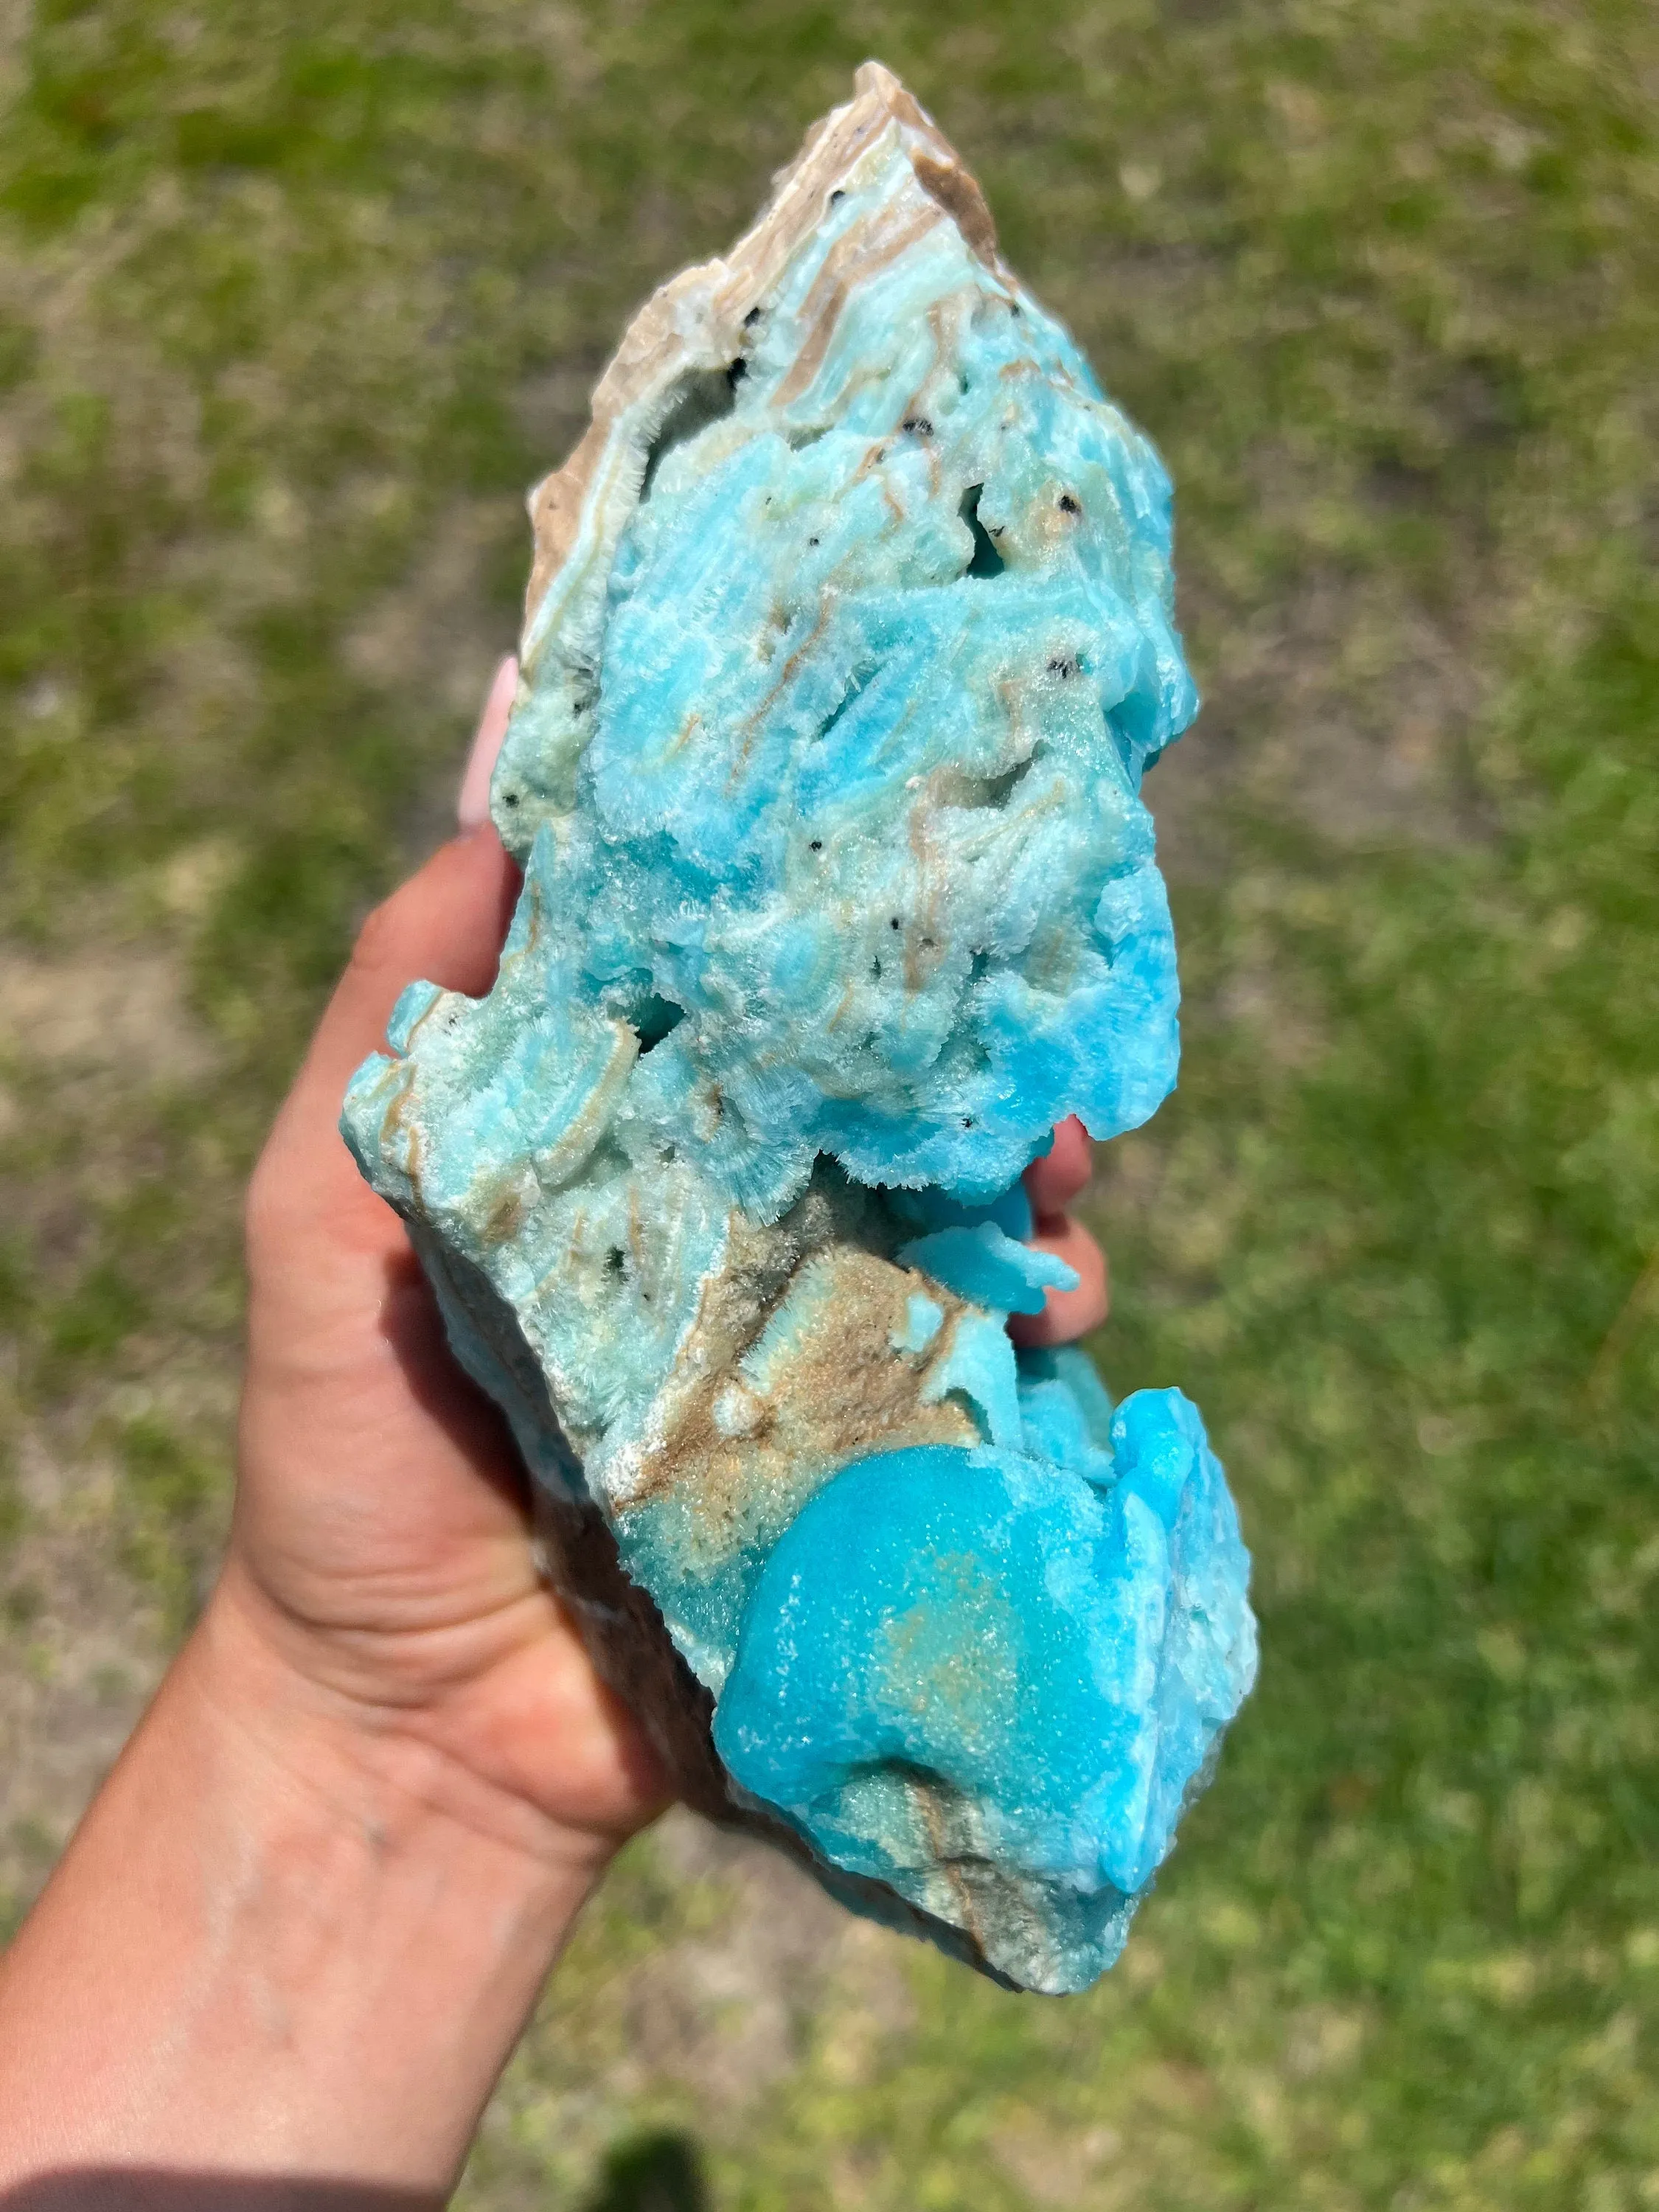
(848, 642)
(956, 1663)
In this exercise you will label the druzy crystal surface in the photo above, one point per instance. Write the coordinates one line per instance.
(848, 644)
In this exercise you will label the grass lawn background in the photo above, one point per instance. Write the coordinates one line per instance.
(295, 301)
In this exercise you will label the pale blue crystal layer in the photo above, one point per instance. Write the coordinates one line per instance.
(839, 893)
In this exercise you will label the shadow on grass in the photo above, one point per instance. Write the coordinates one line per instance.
(656, 2172)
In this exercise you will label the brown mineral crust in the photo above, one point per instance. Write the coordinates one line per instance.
(841, 1396)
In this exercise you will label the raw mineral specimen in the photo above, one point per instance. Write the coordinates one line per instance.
(849, 640)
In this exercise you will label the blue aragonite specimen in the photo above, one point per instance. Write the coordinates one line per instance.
(848, 643)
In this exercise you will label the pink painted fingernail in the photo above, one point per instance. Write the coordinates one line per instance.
(472, 804)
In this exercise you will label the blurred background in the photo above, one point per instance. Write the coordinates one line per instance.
(295, 301)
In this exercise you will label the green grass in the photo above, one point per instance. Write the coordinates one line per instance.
(293, 301)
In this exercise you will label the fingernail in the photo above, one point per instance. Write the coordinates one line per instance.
(472, 804)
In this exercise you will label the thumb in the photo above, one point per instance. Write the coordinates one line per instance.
(445, 926)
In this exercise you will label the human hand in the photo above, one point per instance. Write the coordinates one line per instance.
(380, 1539)
(381, 1546)
(380, 1543)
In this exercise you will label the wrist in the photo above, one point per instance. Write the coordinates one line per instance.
(301, 1941)
(367, 1753)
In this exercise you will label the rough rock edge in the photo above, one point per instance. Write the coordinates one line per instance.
(697, 321)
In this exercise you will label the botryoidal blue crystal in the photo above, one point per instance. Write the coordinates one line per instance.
(848, 643)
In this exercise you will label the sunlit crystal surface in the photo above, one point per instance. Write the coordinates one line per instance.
(848, 643)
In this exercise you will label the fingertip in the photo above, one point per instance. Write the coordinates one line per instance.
(472, 802)
(448, 923)
(445, 926)
(1063, 1171)
(1066, 1314)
